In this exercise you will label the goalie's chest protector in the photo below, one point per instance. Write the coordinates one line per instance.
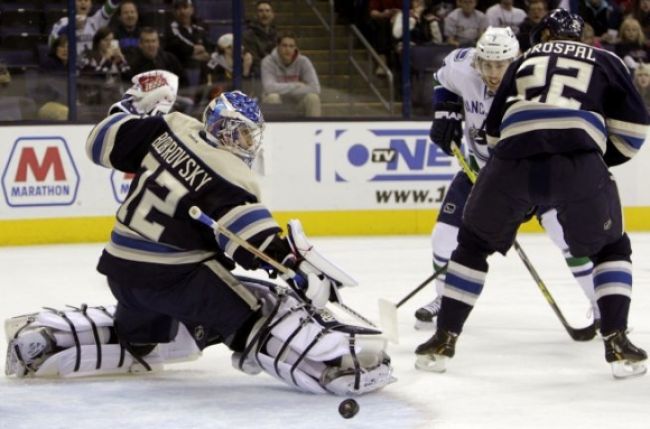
(459, 76)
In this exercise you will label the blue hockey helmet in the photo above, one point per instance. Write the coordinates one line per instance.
(561, 24)
(234, 121)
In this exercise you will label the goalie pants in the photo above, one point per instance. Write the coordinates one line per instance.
(210, 302)
(584, 193)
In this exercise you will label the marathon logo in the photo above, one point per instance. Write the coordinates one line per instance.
(40, 171)
(381, 155)
(120, 184)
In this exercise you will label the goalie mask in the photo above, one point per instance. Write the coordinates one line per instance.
(495, 50)
(234, 121)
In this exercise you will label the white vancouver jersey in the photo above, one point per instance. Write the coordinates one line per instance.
(459, 76)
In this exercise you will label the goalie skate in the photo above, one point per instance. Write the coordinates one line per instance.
(626, 359)
(432, 355)
(27, 352)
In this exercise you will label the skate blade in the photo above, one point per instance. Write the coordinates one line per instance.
(623, 369)
(421, 325)
(431, 363)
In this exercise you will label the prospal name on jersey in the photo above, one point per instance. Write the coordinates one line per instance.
(571, 49)
(180, 161)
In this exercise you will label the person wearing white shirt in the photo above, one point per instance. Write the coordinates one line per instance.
(504, 14)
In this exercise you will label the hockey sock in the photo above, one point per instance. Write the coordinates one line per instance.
(614, 310)
(452, 315)
(582, 269)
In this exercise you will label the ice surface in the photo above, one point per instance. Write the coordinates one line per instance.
(515, 366)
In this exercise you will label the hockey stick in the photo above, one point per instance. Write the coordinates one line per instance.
(388, 310)
(197, 214)
(577, 334)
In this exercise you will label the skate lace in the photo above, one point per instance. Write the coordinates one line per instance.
(434, 306)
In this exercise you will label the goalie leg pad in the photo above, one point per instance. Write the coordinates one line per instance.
(80, 342)
(310, 350)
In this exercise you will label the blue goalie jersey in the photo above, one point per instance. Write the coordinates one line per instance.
(175, 168)
(565, 96)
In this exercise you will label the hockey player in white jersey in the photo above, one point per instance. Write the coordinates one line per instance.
(86, 25)
(171, 275)
(465, 88)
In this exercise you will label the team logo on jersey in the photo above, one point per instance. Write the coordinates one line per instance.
(449, 208)
(40, 171)
(381, 155)
(120, 183)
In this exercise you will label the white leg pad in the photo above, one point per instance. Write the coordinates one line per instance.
(312, 352)
(80, 348)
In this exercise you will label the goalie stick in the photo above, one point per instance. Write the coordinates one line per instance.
(388, 310)
(197, 214)
(577, 334)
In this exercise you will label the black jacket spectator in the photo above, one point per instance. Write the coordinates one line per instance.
(150, 57)
(260, 38)
(187, 40)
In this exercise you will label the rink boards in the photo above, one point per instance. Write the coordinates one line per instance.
(351, 178)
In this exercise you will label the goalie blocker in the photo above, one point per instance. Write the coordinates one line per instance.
(295, 342)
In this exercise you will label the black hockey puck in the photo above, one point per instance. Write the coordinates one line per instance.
(348, 408)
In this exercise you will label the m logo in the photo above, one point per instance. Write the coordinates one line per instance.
(121, 183)
(40, 171)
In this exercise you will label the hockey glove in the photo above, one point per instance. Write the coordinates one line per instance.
(153, 93)
(447, 125)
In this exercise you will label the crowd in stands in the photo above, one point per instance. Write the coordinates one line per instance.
(116, 40)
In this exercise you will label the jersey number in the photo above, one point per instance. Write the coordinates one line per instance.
(175, 190)
(537, 79)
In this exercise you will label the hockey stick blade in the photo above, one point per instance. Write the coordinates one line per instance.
(388, 310)
(583, 334)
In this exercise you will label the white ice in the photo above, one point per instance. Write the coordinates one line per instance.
(515, 366)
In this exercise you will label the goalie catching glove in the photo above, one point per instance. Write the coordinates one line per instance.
(316, 277)
(153, 93)
(447, 125)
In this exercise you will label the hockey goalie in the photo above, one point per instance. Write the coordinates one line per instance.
(172, 276)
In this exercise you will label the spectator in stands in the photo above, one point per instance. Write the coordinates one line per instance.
(464, 25)
(86, 26)
(631, 46)
(382, 14)
(536, 11)
(187, 40)
(103, 71)
(642, 83)
(127, 28)
(290, 78)
(219, 70)
(151, 57)
(641, 11)
(589, 37)
(424, 25)
(603, 17)
(261, 35)
(51, 92)
(220, 66)
(505, 14)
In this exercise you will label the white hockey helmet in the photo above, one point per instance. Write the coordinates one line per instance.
(497, 44)
(234, 121)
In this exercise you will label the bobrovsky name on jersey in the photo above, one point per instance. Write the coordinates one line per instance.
(40, 171)
(382, 155)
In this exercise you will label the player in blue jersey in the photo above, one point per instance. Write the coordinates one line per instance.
(564, 113)
(466, 84)
(172, 277)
